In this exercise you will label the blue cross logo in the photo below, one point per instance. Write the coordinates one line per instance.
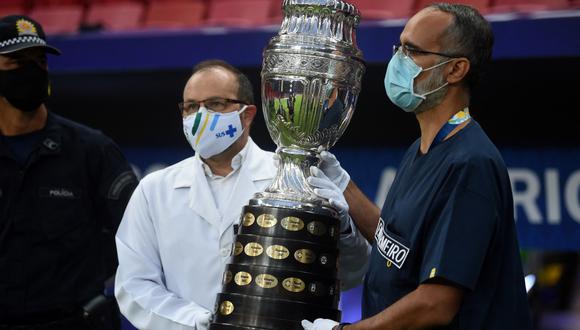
(231, 130)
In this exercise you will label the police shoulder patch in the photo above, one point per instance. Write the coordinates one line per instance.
(120, 183)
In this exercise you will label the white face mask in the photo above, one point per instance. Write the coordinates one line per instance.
(210, 133)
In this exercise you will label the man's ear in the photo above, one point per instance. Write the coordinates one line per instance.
(249, 114)
(458, 70)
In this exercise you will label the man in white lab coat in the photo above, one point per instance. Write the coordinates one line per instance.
(177, 232)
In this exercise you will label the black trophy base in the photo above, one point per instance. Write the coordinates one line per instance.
(283, 270)
(268, 313)
(223, 326)
(277, 283)
(245, 321)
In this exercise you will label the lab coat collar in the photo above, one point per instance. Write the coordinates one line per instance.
(236, 163)
(201, 198)
(251, 160)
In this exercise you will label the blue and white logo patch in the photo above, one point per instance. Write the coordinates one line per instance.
(389, 247)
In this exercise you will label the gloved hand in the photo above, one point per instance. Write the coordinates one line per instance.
(325, 188)
(331, 167)
(202, 320)
(319, 324)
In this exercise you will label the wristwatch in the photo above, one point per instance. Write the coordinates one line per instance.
(340, 326)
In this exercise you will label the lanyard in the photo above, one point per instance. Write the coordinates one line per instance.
(458, 119)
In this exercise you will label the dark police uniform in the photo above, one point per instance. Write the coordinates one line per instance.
(60, 206)
(449, 214)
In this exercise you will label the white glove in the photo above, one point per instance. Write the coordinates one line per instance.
(325, 188)
(319, 324)
(202, 321)
(331, 167)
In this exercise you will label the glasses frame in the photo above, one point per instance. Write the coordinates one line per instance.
(406, 49)
(181, 105)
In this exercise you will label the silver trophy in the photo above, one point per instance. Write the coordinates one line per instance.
(284, 259)
(311, 79)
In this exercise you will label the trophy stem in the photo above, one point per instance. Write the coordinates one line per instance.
(284, 261)
(290, 181)
(289, 189)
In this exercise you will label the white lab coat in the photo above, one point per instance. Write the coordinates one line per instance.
(173, 245)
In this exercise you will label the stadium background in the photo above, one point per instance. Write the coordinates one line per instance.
(127, 82)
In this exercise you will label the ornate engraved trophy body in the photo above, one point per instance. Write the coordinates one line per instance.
(284, 260)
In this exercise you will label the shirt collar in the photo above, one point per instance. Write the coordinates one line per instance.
(251, 157)
(236, 163)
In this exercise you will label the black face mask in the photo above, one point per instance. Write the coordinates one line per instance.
(26, 88)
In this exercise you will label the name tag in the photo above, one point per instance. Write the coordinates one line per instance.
(389, 247)
(60, 193)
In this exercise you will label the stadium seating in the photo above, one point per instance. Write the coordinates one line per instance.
(387, 9)
(276, 13)
(58, 19)
(115, 16)
(12, 10)
(11, 7)
(66, 16)
(175, 14)
(238, 13)
(15, 3)
(57, 3)
(529, 5)
(482, 5)
(143, 2)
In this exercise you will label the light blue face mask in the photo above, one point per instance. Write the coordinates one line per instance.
(400, 78)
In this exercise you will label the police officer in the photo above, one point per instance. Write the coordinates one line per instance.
(63, 189)
(445, 252)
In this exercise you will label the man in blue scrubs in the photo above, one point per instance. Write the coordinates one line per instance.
(445, 252)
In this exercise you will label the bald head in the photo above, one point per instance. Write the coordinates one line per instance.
(467, 34)
(244, 87)
(426, 29)
(211, 83)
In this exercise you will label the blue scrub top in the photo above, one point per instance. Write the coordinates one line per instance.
(449, 214)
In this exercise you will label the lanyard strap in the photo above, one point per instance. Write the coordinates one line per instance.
(457, 119)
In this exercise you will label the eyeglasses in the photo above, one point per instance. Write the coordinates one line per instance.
(410, 51)
(217, 104)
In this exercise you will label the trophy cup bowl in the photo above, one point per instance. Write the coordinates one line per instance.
(284, 259)
(311, 79)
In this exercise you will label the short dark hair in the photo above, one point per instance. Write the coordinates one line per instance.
(470, 35)
(245, 89)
